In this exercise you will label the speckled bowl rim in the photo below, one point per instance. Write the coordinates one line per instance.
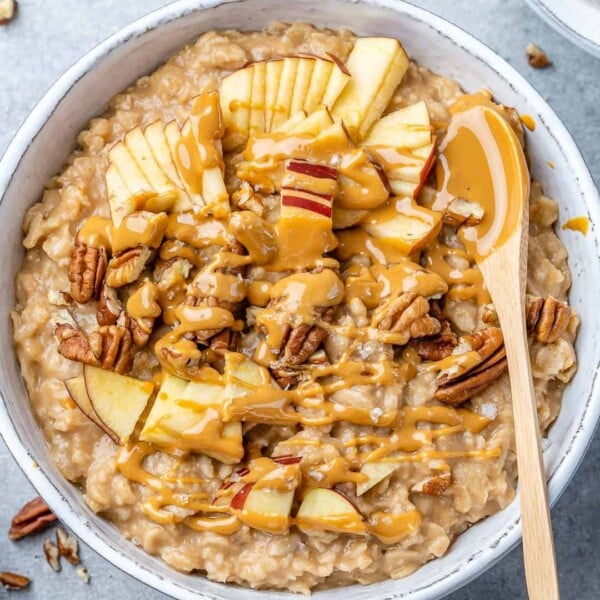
(481, 558)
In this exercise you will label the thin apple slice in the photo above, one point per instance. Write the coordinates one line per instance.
(306, 66)
(272, 78)
(78, 392)
(263, 508)
(283, 103)
(120, 199)
(314, 124)
(333, 140)
(242, 376)
(338, 80)
(362, 183)
(295, 120)
(328, 510)
(403, 223)
(376, 472)
(407, 127)
(236, 99)
(318, 83)
(257, 105)
(377, 66)
(214, 192)
(118, 400)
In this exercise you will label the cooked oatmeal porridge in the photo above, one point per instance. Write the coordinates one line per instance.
(250, 324)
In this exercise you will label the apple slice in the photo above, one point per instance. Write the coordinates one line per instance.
(404, 224)
(343, 218)
(377, 65)
(338, 80)
(306, 66)
(263, 508)
(376, 472)
(328, 510)
(78, 392)
(314, 124)
(295, 120)
(120, 199)
(318, 84)
(236, 100)
(272, 78)
(283, 103)
(333, 140)
(407, 127)
(362, 183)
(243, 376)
(257, 104)
(118, 400)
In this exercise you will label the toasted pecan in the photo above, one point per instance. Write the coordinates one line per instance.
(458, 387)
(434, 485)
(74, 345)
(67, 546)
(547, 318)
(52, 555)
(86, 271)
(112, 345)
(109, 307)
(127, 266)
(246, 198)
(409, 314)
(33, 517)
(14, 581)
(305, 339)
(463, 212)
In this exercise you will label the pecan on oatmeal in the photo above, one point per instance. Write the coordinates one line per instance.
(547, 318)
(33, 517)
(74, 345)
(409, 314)
(86, 271)
(127, 267)
(112, 346)
(458, 387)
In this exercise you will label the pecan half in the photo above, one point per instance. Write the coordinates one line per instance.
(434, 485)
(86, 271)
(224, 341)
(409, 314)
(286, 376)
(305, 339)
(67, 546)
(458, 387)
(8, 11)
(52, 555)
(547, 318)
(33, 517)
(73, 344)
(536, 57)
(112, 345)
(109, 307)
(127, 266)
(437, 347)
(14, 581)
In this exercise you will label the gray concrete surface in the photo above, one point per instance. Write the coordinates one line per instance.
(48, 36)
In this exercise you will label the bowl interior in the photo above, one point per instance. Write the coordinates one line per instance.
(84, 92)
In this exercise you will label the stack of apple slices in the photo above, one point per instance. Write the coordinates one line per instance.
(264, 95)
(159, 168)
(404, 144)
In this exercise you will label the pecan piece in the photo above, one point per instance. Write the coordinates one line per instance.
(86, 271)
(458, 387)
(536, 57)
(434, 485)
(409, 314)
(14, 581)
(8, 11)
(33, 517)
(287, 377)
(224, 341)
(112, 345)
(52, 555)
(547, 318)
(109, 307)
(73, 344)
(305, 339)
(245, 198)
(437, 347)
(67, 546)
(127, 266)
(463, 212)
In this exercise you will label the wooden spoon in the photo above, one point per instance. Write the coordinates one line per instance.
(499, 245)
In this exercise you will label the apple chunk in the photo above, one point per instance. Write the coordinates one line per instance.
(376, 472)
(405, 224)
(78, 392)
(377, 66)
(118, 400)
(328, 510)
(263, 508)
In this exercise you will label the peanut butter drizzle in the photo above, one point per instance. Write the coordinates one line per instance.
(355, 242)
(463, 283)
(143, 303)
(196, 230)
(391, 528)
(580, 224)
(481, 160)
(199, 147)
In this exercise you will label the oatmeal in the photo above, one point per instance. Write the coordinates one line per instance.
(250, 319)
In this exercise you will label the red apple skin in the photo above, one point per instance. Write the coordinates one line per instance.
(345, 497)
(238, 501)
(312, 169)
(243, 471)
(429, 162)
(297, 202)
(343, 68)
(382, 175)
(287, 459)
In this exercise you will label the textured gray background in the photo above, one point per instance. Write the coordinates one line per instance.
(49, 36)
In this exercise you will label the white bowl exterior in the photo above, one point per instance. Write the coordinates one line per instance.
(49, 134)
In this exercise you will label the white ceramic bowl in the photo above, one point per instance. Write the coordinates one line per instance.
(49, 134)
